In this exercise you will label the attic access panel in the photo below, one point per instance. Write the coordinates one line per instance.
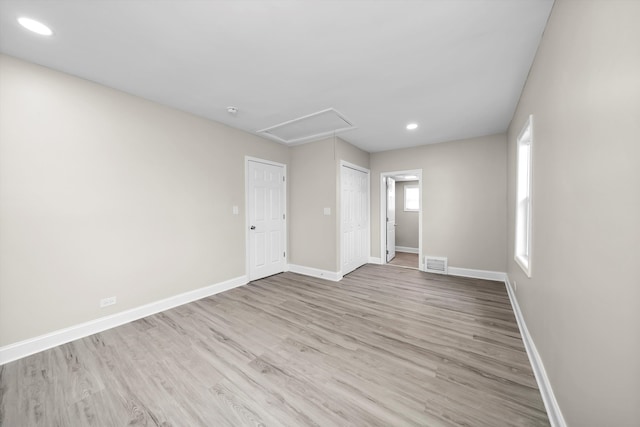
(307, 128)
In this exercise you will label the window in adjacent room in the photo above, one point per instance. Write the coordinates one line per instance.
(411, 198)
(523, 198)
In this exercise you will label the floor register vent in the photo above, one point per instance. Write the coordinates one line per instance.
(435, 264)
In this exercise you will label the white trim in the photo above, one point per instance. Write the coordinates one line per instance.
(354, 166)
(407, 249)
(247, 249)
(30, 346)
(383, 214)
(524, 263)
(334, 276)
(551, 404)
(477, 274)
(295, 141)
(524, 260)
(375, 260)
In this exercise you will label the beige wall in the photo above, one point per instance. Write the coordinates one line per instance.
(351, 154)
(463, 200)
(315, 184)
(105, 194)
(312, 181)
(582, 303)
(406, 222)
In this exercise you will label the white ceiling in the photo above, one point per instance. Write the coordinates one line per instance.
(455, 67)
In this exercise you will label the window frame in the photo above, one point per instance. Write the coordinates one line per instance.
(524, 186)
(404, 195)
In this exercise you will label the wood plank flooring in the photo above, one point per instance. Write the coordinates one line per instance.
(386, 346)
(404, 259)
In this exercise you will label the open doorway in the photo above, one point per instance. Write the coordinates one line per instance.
(401, 218)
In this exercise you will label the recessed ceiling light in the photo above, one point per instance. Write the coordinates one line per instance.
(35, 26)
(412, 126)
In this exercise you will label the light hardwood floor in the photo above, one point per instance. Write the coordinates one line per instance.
(404, 259)
(386, 346)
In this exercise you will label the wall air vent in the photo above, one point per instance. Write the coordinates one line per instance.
(434, 264)
(310, 127)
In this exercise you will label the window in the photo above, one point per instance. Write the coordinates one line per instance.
(523, 198)
(411, 198)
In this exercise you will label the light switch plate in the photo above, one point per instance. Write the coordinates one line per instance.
(327, 211)
(235, 210)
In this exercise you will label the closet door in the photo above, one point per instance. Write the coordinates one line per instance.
(354, 217)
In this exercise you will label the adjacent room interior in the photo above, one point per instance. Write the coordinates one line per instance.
(319, 213)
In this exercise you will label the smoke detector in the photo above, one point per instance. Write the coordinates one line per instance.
(232, 110)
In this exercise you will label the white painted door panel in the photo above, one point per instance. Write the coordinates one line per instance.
(355, 218)
(391, 219)
(266, 208)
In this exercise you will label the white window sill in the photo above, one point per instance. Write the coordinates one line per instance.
(524, 263)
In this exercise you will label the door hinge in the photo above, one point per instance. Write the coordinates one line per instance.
(283, 217)
(387, 252)
(283, 179)
(284, 254)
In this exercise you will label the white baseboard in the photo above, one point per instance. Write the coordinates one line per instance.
(477, 274)
(30, 346)
(375, 260)
(334, 276)
(407, 249)
(551, 404)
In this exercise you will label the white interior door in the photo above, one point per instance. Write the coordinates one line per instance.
(354, 218)
(391, 219)
(266, 218)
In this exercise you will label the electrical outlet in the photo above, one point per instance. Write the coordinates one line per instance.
(104, 302)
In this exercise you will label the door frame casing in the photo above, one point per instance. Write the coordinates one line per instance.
(344, 163)
(388, 255)
(383, 214)
(247, 224)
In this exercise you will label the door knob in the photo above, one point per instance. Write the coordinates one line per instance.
(253, 227)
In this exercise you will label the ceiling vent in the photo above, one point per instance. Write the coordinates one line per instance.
(310, 127)
(434, 264)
